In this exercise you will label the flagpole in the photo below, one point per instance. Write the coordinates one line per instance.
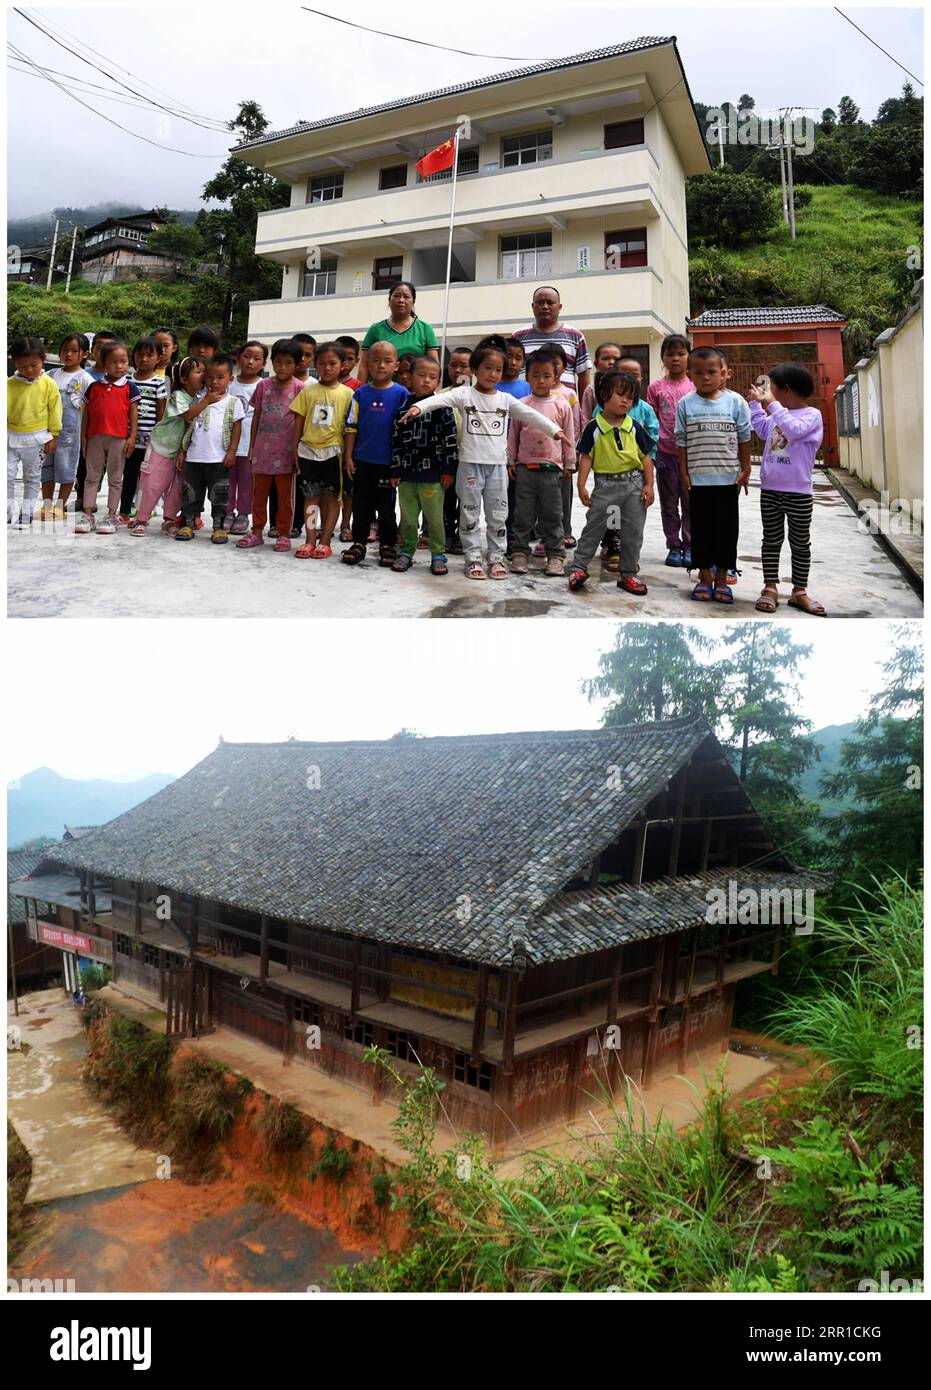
(449, 253)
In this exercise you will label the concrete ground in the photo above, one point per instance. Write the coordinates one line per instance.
(54, 574)
(75, 1145)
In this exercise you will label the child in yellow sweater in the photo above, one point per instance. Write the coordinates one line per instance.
(33, 417)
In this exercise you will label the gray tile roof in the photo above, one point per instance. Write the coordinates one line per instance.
(752, 318)
(551, 65)
(593, 919)
(19, 864)
(442, 844)
(63, 890)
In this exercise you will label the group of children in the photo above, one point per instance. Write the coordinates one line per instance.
(503, 439)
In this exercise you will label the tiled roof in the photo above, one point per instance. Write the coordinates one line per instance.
(752, 318)
(20, 863)
(593, 919)
(76, 832)
(551, 65)
(63, 890)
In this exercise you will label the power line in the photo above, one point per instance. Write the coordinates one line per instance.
(155, 143)
(99, 94)
(405, 38)
(88, 48)
(167, 109)
(879, 46)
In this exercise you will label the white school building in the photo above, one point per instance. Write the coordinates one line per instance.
(573, 174)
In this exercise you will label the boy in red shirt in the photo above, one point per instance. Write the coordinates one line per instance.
(108, 436)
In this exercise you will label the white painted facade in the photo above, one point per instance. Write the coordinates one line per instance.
(575, 198)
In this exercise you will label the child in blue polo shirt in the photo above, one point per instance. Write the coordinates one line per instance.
(369, 427)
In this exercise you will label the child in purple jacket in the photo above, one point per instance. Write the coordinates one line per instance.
(791, 431)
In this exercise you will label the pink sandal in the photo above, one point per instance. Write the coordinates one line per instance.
(498, 571)
(474, 570)
(252, 539)
(282, 544)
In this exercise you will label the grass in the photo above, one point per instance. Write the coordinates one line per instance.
(811, 1187)
(850, 253)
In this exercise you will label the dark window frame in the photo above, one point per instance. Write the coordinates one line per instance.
(382, 279)
(629, 259)
(392, 169)
(613, 140)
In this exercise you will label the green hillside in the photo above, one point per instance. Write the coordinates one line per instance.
(129, 310)
(851, 252)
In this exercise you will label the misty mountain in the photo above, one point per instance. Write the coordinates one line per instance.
(43, 803)
(829, 740)
(28, 231)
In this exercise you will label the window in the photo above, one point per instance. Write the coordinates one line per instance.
(625, 250)
(470, 1075)
(527, 255)
(150, 955)
(306, 1011)
(320, 282)
(325, 188)
(467, 163)
(122, 945)
(395, 176)
(358, 1032)
(401, 1045)
(526, 149)
(387, 271)
(623, 133)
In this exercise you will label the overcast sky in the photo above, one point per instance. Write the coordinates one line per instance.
(354, 680)
(297, 65)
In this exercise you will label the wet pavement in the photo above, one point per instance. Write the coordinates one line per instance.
(54, 574)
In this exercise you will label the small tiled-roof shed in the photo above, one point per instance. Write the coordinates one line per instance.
(776, 332)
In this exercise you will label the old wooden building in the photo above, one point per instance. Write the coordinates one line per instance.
(535, 916)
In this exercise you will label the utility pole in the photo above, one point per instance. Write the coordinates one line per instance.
(51, 264)
(74, 237)
(782, 179)
(791, 190)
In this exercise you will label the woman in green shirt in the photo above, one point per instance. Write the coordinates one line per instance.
(402, 327)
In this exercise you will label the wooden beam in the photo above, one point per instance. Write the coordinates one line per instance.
(478, 1021)
(510, 1018)
(137, 910)
(356, 983)
(677, 827)
(639, 847)
(263, 952)
(614, 995)
(594, 871)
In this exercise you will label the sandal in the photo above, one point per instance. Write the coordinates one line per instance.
(248, 541)
(304, 552)
(403, 563)
(475, 570)
(345, 535)
(387, 555)
(438, 565)
(702, 592)
(577, 580)
(498, 571)
(722, 595)
(612, 562)
(322, 551)
(801, 601)
(353, 555)
(768, 601)
(138, 529)
(282, 544)
(632, 585)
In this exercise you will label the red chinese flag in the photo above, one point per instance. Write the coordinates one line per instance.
(440, 158)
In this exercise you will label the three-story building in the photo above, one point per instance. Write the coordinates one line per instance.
(572, 174)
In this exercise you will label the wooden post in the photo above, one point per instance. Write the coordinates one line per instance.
(263, 951)
(478, 1020)
(356, 982)
(195, 918)
(383, 985)
(677, 828)
(577, 1055)
(510, 1021)
(722, 954)
(137, 910)
(615, 991)
(288, 1030)
(705, 845)
(636, 876)
(684, 1035)
(91, 897)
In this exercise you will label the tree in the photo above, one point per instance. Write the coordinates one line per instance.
(730, 208)
(180, 240)
(768, 739)
(229, 232)
(828, 118)
(848, 113)
(745, 103)
(653, 673)
(881, 768)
